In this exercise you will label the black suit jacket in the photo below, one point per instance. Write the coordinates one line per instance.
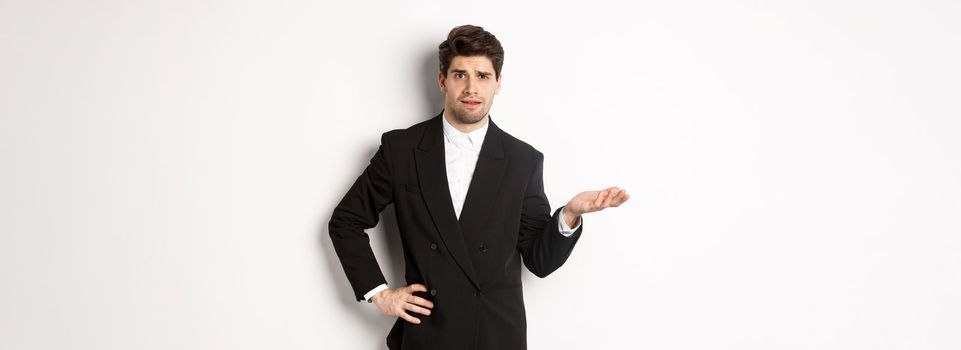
(471, 266)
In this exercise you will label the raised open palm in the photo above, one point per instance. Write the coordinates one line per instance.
(591, 201)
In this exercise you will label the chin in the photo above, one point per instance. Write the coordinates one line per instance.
(467, 117)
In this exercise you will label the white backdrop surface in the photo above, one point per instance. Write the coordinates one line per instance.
(167, 168)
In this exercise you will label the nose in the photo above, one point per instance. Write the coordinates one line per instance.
(469, 86)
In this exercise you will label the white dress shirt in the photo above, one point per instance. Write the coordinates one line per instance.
(461, 151)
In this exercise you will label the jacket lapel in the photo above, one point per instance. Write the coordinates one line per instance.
(432, 178)
(485, 183)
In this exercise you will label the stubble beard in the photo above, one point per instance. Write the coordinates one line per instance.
(468, 117)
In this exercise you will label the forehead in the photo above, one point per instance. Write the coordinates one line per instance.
(472, 63)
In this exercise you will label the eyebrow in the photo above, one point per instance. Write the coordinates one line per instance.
(465, 71)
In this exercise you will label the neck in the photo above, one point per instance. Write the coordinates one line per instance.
(463, 127)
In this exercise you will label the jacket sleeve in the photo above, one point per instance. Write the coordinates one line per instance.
(540, 243)
(360, 210)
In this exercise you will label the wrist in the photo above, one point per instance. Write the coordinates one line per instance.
(376, 297)
(570, 217)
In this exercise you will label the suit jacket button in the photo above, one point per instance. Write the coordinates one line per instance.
(433, 292)
(483, 248)
(433, 246)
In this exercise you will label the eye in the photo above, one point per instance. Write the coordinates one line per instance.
(458, 75)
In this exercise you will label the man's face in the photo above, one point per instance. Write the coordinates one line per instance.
(470, 87)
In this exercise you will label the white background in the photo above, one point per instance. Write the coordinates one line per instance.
(169, 168)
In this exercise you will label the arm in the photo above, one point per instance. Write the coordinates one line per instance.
(540, 241)
(544, 240)
(360, 210)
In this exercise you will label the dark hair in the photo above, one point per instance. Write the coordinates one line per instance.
(469, 40)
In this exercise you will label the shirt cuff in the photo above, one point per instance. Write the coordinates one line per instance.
(562, 225)
(374, 291)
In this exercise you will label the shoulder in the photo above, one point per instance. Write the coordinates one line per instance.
(520, 148)
(407, 136)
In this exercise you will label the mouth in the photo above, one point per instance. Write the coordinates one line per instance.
(470, 103)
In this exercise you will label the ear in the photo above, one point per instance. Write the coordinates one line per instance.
(441, 82)
(497, 90)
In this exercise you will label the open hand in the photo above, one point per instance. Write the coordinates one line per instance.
(591, 201)
(396, 302)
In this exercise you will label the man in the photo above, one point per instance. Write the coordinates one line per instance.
(470, 206)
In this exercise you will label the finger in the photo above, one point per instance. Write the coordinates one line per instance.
(617, 202)
(409, 318)
(607, 200)
(417, 309)
(618, 195)
(416, 287)
(420, 301)
(611, 195)
(621, 199)
(600, 199)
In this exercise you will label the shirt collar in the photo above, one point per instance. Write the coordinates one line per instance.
(475, 137)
